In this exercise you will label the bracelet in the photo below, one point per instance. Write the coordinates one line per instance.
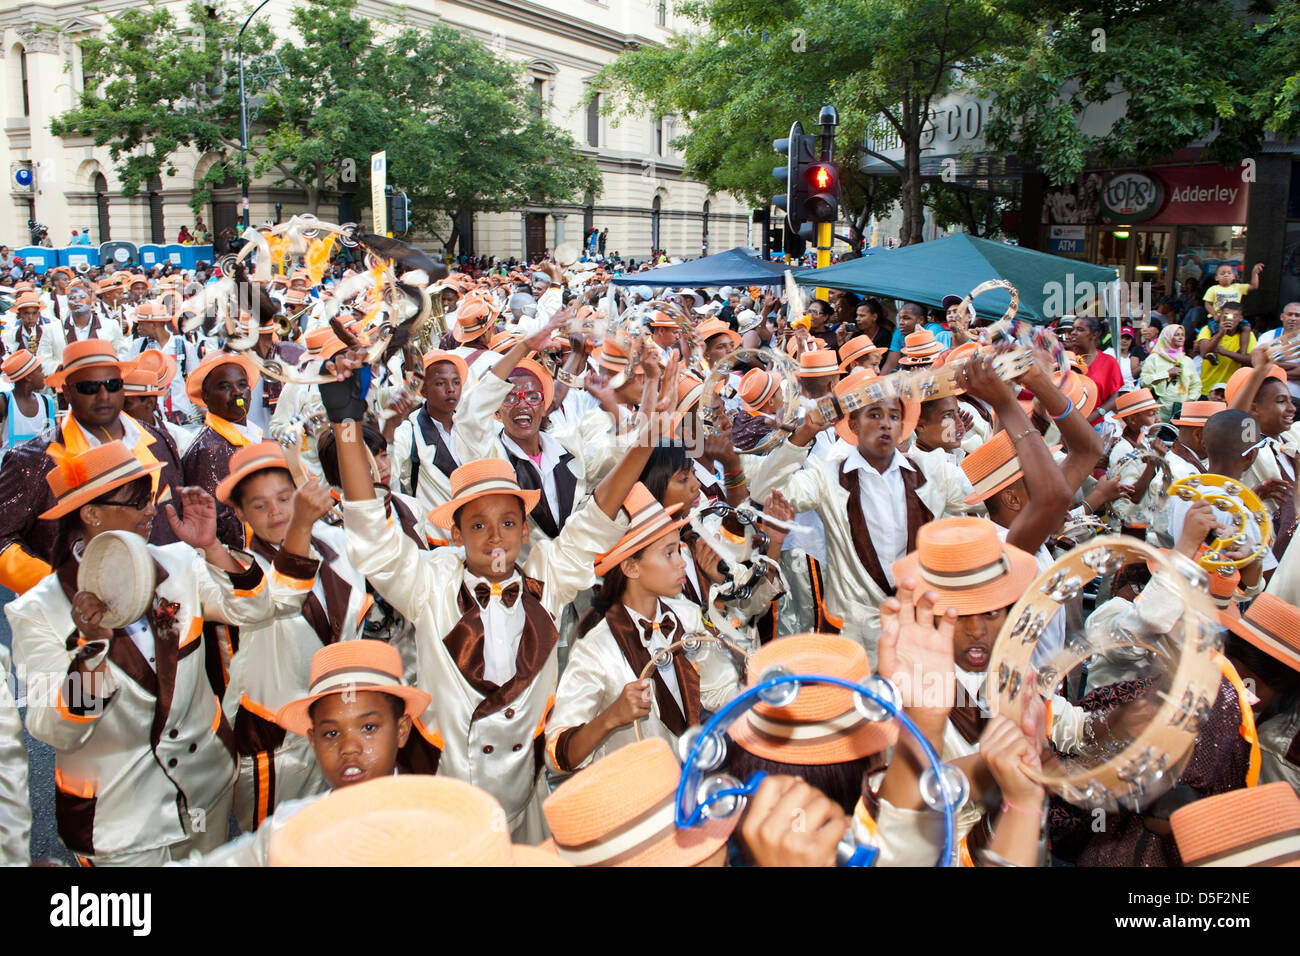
(1088, 506)
(1024, 434)
(1008, 805)
(1068, 408)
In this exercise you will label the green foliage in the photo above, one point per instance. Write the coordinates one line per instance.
(461, 130)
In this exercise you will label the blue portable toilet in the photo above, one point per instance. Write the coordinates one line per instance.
(151, 255)
(39, 257)
(78, 257)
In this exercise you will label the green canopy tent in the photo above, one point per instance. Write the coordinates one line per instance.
(1049, 286)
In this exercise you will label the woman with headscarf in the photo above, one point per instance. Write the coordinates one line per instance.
(1169, 373)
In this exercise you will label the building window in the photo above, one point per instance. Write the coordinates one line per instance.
(654, 225)
(22, 66)
(539, 91)
(661, 13)
(659, 135)
(593, 120)
(101, 206)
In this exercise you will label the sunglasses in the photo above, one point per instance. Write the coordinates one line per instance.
(92, 386)
(141, 501)
(532, 398)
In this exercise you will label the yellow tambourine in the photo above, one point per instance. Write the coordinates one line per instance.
(1247, 511)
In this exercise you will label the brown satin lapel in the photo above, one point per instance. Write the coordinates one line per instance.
(337, 591)
(917, 513)
(688, 679)
(862, 544)
(1189, 456)
(406, 520)
(166, 654)
(628, 639)
(969, 721)
(536, 644)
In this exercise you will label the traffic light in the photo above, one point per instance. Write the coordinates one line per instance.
(399, 211)
(800, 151)
(822, 200)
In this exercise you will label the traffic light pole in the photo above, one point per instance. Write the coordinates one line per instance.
(823, 252)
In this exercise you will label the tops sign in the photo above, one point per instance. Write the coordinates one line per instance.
(1131, 197)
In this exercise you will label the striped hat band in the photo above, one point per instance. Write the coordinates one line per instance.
(971, 578)
(103, 480)
(626, 840)
(1004, 473)
(804, 732)
(352, 678)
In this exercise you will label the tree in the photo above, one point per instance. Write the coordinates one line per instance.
(461, 130)
(753, 66)
(1182, 70)
(977, 211)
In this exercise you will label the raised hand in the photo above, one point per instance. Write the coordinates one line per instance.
(915, 652)
(789, 823)
(311, 502)
(87, 612)
(198, 528)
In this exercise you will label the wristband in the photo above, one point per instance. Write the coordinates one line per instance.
(1008, 805)
(346, 401)
(1068, 408)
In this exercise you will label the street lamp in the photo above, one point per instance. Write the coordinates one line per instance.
(243, 113)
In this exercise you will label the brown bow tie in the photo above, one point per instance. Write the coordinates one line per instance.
(484, 592)
(664, 627)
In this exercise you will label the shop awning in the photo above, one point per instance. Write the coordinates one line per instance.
(1049, 286)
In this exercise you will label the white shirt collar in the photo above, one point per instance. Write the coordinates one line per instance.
(854, 461)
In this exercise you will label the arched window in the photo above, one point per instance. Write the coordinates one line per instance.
(101, 205)
(654, 224)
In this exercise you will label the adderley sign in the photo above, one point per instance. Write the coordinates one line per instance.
(1131, 197)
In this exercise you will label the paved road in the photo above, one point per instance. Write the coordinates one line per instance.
(40, 777)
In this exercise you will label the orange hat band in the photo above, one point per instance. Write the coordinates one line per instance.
(803, 732)
(963, 580)
(625, 841)
(1004, 473)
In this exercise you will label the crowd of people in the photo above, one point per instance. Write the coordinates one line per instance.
(464, 601)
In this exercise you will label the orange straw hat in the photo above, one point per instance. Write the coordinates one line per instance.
(1138, 400)
(161, 365)
(351, 666)
(475, 479)
(920, 348)
(1270, 624)
(613, 356)
(649, 521)
(1253, 826)
(817, 362)
(80, 479)
(965, 350)
(152, 311)
(1239, 377)
(88, 353)
(476, 315)
(194, 381)
(503, 342)
(321, 344)
(407, 820)
(1196, 414)
(661, 320)
(857, 379)
(249, 460)
(711, 327)
(19, 365)
(856, 348)
(991, 467)
(821, 725)
(757, 388)
(544, 377)
(690, 389)
(971, 568)
(619, 812)
(140, 382)
(26, 300)
(434, 356)
(1082, 391)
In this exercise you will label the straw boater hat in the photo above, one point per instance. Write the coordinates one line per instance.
(140, 382)
(814, 363)
(544, 377)
(619, 812)
(26, 300)
(992, 467)
(249, 460)
(1272, 625)
(1081, 390)
(80, 479)
(475, 479)
(1138, 400)
(965, 350)
(920, 348)
(648, 522)
(434, 356)
(968, 565)
(476, 315)
(152, 311)
(351, 666)
(613, 357)
(855, 380)
(821, 725)
(19, 365)
(748, 320)
(711, 327)
(406, 820)
(661, 320)
(503, 342)
(855, 348)
(757, 388)
(1239, 378)
(194, 381)
(1196, 414)
(1253, 826)
(89, 353)
(160, 364)
(321, 344)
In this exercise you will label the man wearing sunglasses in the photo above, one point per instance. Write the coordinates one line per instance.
(90, 381)
(81, 323)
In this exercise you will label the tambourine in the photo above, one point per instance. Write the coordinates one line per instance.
(664, 658)
(1247, 514)
(786, 418)
(1157, 493)
(116, 567)
(1130, 755)
(703, 794)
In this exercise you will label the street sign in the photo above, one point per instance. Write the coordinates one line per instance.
(1068, 240)
(378, 203)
